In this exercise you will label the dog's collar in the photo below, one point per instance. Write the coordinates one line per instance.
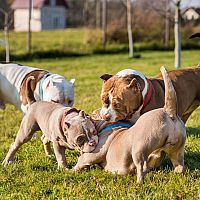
(122, 124)
(65, 113)
(41, 84)
(148, 95)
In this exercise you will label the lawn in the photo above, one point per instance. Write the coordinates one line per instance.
(35, 176)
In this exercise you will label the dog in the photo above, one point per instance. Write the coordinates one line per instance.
(47, 86)
(129, 94)
(121, 150)
(65, 127)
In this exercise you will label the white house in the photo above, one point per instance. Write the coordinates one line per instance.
(191, 14)
(46, 14)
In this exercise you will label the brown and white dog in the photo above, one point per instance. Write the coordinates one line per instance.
(47, 86)
(129, 94)
(121, 150)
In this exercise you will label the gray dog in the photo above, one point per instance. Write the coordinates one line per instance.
(121, 150)
(66, 127)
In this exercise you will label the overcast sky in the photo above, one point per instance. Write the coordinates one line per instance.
(186, 3)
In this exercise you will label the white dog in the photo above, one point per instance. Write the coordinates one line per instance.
(48, 86)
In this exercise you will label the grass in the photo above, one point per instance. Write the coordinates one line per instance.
(34, 176)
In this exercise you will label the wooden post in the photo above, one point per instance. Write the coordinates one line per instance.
(129, 27)
(177, 35)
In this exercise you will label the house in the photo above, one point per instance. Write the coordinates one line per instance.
(46, 14)
(191, 14)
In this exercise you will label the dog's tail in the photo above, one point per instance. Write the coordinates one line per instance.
(29, 90)
(170, 94)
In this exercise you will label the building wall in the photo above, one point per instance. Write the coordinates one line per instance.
(45, 18)
(21, 20)
(53, 17)
(191, 15)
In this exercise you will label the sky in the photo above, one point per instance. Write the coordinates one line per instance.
(188, 3)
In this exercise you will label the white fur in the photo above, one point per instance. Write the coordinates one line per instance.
(126, 72)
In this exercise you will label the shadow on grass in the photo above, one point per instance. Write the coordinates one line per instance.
(44, 54)
(193, 132)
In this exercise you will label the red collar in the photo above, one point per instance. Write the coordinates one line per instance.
(148, 95)
(65, 113)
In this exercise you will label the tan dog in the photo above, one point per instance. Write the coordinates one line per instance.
(122, 150)
(65, 127)
(129, 94)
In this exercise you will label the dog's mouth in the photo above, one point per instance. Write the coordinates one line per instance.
(90, 145)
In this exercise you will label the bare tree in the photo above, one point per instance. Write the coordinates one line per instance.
(6, 26)
(177, 35)
(129, 27)
(167, 22)
(98, 11)
(104, 23)
(29, 28)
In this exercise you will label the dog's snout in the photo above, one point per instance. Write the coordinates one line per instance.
(106, 117)
(92, 142)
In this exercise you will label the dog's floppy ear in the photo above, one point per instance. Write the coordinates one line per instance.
(82, 114)
(105, 77)
(134, 84)
(72, 81)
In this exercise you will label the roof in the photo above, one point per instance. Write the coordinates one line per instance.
(24, 4)
(197, 10)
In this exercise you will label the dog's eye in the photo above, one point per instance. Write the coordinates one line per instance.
(80, 140)
(55, 101)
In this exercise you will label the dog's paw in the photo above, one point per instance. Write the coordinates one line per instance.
(179, 169)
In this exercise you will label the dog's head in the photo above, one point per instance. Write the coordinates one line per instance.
(57, 89)
(80, 132)
(121, 96)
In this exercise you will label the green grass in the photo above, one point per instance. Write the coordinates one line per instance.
(34, 176)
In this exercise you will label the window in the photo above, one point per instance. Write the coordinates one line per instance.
(52, 2)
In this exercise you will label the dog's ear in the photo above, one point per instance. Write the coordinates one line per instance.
(134, 84)
(49, 83)
(72, 81)
(196, 35)
(66, 126)
(82, 114)
(105, 77)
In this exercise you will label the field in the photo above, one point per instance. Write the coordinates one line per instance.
(35, 176)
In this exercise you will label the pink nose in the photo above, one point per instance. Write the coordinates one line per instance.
(92, 143)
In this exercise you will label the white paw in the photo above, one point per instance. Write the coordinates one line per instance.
(7, 162)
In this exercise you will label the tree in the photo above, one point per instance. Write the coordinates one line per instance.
(129, 27)
(29, 28)
(104, 23)
(167, 22)
(177, 35)
(7, 24)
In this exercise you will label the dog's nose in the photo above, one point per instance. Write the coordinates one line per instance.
(106, 117)
(92, 143)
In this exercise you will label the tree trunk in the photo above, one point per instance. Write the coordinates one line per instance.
(104, 23)
(6, 33)
(177, 35)
(129, 27)
(167, 22)
(98, 11)
(29, 28)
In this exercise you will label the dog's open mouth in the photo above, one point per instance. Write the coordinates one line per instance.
(90, 145)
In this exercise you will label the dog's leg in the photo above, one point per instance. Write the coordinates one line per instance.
(177, 159)
(60, 155)
(25, 133)
(139, 163)
(47, 146)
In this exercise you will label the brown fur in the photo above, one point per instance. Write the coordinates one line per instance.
(37, 74)
(186, 83)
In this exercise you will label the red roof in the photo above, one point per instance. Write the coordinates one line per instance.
(23, 4)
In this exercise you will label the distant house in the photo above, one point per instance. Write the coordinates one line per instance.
(46, 14)
(191, 14)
